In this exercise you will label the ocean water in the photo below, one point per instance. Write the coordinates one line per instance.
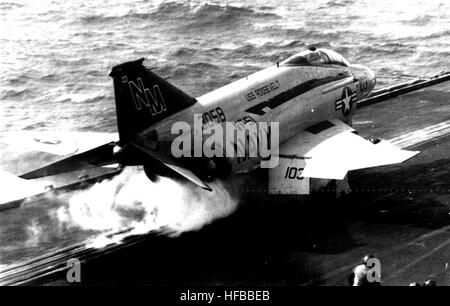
(55, 57)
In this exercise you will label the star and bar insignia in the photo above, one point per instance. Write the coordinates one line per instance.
(346, 101)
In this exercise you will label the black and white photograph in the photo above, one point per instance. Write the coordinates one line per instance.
(248, 145)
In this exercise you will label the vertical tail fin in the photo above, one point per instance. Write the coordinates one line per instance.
(143, 98)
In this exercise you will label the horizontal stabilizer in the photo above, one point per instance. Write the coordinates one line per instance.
(172, 164)
(189, 175)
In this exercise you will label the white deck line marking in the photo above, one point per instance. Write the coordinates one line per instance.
(417, 260)
(421, 136)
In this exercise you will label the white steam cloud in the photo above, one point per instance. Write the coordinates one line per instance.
(131, 200)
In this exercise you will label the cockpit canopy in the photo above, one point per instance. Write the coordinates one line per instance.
(316, 57)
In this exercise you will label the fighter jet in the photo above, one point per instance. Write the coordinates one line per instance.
(312, 95)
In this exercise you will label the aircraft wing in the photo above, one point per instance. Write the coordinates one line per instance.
(73, 142)
(79, 150)
(328, 150)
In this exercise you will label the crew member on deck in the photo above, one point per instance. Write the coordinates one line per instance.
(359, 276)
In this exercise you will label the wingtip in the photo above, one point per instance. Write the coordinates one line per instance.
(28, 175)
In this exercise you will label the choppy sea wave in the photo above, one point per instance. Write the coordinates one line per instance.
(53, 50)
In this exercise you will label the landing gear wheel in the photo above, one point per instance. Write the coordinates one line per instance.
(151, 172)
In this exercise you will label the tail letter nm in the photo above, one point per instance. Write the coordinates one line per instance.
(143, 96)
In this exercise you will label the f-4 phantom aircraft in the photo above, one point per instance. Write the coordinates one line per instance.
(312, 95)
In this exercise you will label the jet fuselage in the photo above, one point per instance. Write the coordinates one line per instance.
(295, 96)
